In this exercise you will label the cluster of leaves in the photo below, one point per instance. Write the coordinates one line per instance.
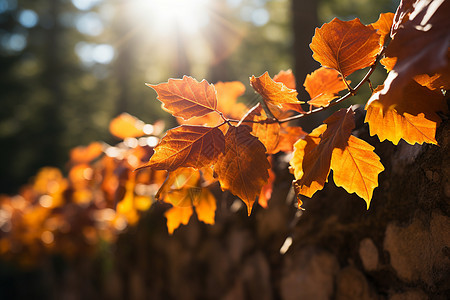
(412, 45)
(98, 199)
(221, 142)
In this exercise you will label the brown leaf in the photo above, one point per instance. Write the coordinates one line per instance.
(345, 46)
(242, 169)
(420, 46)
(402, 14)
(273, 92)
(383, 24)
(125, 125)
(356, 168)
(287, 78)
(311, 160)
(187, 146)
(186, 98)
(323, 85)
(268, 134)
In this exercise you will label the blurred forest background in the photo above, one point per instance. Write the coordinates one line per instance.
(68, 67)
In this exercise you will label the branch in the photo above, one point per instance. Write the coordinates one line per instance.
(352, 92)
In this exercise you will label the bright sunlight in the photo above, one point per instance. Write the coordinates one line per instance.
(165, 16)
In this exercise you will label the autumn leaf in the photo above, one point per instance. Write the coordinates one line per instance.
(182, 189)
(345, 46)
(311, 159)
(392, 126)
(186, 98)
(266, 192)
(434, 82)
(242, 168)
(287, 78)
(227, 95)
(420, 46)
(413, 118)
(288, 136)
(273, 92)
(383, 25)
(356, 168)
(187, 146)
(125, 125)
(86, 154)
(268, 134)
(323, 85)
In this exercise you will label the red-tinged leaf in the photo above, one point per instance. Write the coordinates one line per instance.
(356, 168)
(420, 46)
(345, 46)
(125, 125)
(268, 134)
(383, 25)
(242, 169)
(323, 85)
(82, 154)
(288, 136)
(187, 146)
(273, 92)
(311, 161)
(186, 98)
(287, 78)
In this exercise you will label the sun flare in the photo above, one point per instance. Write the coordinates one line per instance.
(165, 16)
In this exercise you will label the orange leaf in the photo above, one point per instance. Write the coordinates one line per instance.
(356, 168)
(125, 125)
(273, 92)
(242, 169)
(287, 78)
(383, 24)
(288, 136)
(323, 85)
(176, 216)
(345, 46)
(437, 81)
(266, 192)
(268, 134)
(393, 126)
(186, 98)
(312, 156)
(227, 94)
(412, 115)
(187, 146)
(82, 154)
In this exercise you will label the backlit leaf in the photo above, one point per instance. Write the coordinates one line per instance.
(323, 85)
(392, 126)
(242, 169)
(383, 24)
(186, 98)
(86, 154)
(176, 216)
(187, 146)
(413, 116)
(273, 92)
(125, 125)
(345, 46)
(288, 136)
(268, 134)
(356, 168)
(287, 78)
(311, 159)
